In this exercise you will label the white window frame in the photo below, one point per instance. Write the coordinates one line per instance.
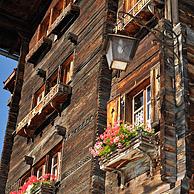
(58, 164)
(144, 108)
(148, 104)
(43, 167)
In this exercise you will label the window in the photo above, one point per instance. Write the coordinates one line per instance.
(49, 164)
(128, 5)
(43, 28)
(52, 81)
(40, 171)
(57, 10)
(133, 107)
(38, 96)
(67, 70)
(56, 165)
(142, 107)
(25, 178)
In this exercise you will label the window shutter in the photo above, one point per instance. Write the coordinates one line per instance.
(155, 95)
(112, 111)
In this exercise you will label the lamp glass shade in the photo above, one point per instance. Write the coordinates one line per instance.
(120, 50)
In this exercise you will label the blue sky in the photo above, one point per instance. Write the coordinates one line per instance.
(6, 67)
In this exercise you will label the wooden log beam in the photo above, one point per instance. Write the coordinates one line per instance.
(167, 96)
(12, 118)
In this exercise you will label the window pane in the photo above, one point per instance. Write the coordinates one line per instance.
(55, 160)
(138, 117)
(39, 172)
(122, 108)
(55, 171)
(148, 94)
(148, 111)
(138, 101)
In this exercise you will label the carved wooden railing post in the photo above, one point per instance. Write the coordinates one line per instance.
(12, 118)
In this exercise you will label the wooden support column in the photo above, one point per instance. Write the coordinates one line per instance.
(12, 118)
(167, 96)
(185, 106)
(182, 106)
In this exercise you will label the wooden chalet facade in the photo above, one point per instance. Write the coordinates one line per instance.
(63, 94)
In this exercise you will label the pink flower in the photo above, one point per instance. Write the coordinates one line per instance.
(130, 128)
(149, 130)
(122, 136)
(101, 136)
(116, 139)
(119, 145)
(53, 178)
(93, 152)
(33, 179)
(98, 145)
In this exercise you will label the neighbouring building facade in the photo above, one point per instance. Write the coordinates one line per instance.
(63, 94)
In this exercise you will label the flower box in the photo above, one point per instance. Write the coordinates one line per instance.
(43, 185)
(124, 147)
(140, 148)
(44, 189)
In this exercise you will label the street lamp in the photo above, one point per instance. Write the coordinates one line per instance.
(120, 50)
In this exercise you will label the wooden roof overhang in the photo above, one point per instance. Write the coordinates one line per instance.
(10, 81)
(19, 19)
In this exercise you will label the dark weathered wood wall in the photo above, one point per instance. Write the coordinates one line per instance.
(176, 99)
(87, 104)
(86, 113)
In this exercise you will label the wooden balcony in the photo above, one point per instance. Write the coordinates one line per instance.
(39, 50)
(44, 189)
(140, 149)
(64, 20)
(52, 101)
(140, 9)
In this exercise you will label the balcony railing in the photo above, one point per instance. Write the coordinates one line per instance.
(57, 95)
(64, 20)
(135, 10)
(41, 41)
(141, 149)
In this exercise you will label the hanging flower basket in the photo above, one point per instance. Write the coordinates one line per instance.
(44, 185)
